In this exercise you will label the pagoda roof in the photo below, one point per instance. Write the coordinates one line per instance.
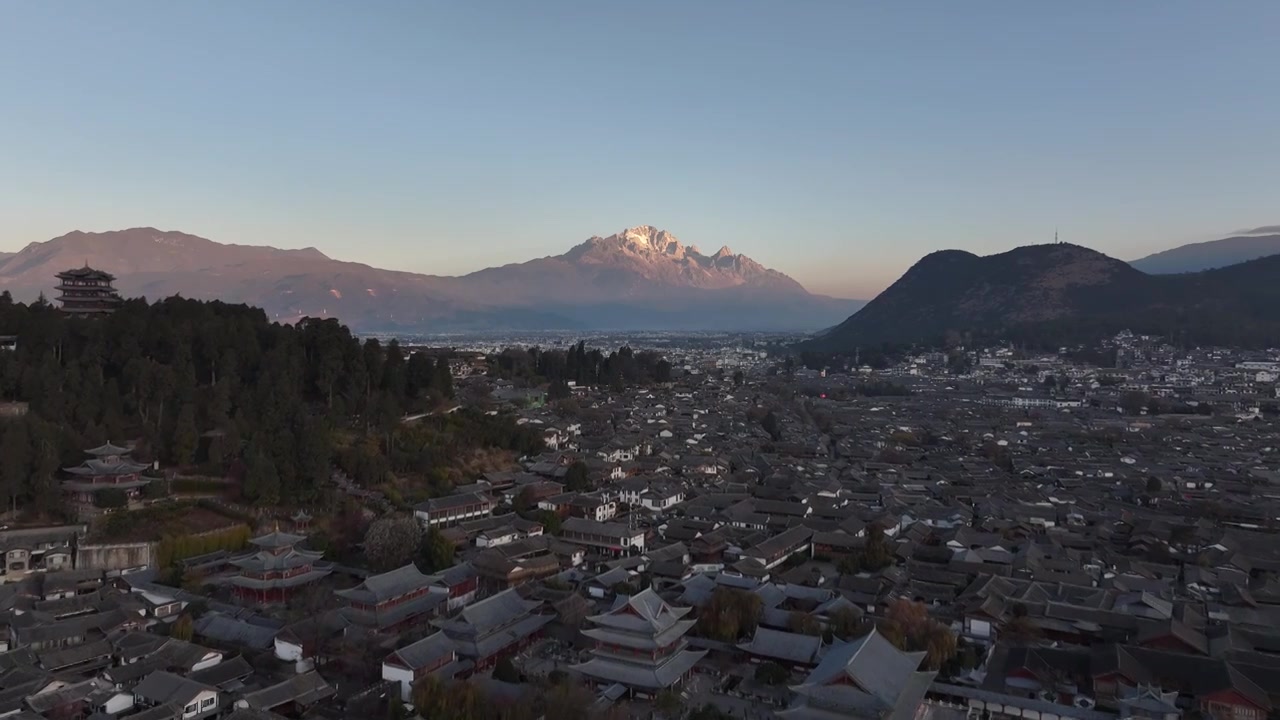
(641, 641)
(86, 273)
(108, 449)
(75, 486)
(265, 562)
(97, 468)
(645, 612)
(277, 539)
(297, 580)
(82, 307)
(653, 677)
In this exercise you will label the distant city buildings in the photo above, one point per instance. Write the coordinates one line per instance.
(1074, 540)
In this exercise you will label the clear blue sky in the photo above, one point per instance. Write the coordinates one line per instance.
(836, 141)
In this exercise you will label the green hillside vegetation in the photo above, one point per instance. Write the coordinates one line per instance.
(220, 388)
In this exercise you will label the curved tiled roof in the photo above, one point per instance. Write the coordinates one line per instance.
(380, 588)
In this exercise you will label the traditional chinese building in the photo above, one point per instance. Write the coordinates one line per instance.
(789, 649)
(86, 292)
(640, 644)
(494, 627)
(608, 538)
(108, 466)
(453, 509)
(277, 569)
(394, 600)
(432, 655)
(866, 678)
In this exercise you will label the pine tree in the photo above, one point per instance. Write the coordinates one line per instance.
(262, 482)
(43, 487)
(315, 457)
(217, 450)
(186, 437)
(437, 551)
(15, 462)
(577, 478)
(443, 381)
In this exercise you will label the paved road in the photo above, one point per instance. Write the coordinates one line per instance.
(543, 657)
(735, 707)
(701, 690)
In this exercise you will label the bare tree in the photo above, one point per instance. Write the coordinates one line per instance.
(392, 542)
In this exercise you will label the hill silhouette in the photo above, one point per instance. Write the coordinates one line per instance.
(1059, 294)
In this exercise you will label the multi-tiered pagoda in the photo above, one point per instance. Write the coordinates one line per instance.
(640, 644)
(276, 570)
(108, 466)
(85, 291)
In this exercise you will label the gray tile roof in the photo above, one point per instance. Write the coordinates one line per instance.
(226, 674)
(165, 688)
(643, 612)
(388, 585)
(788, 647)
(304, 690)
(883, 677)
(226, 629)
(490, 614)
(423, 605)
(641, 676)
(494, 642)
(424, 652)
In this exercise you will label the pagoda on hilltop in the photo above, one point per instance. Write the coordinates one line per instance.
(87, 292)
(108, 467)
(640, 644)
(276, 570)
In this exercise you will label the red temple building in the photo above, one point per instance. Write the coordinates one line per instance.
(640, 644)
(108, 466)
(276, 570)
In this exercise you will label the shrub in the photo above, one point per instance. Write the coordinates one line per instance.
(110, 498)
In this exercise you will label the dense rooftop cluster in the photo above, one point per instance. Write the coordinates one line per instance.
(1070, 535)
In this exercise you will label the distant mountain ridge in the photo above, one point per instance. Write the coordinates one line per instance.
(640, 278)
(1213, 254)
(1062, 294)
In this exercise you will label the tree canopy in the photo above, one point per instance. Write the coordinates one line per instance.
(435, 551)
(623, 367)
(392, 542)
(730, 614)
(199, 383)
(908, 626)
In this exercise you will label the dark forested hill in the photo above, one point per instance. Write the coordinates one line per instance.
(1058, 294)
(217, 385)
